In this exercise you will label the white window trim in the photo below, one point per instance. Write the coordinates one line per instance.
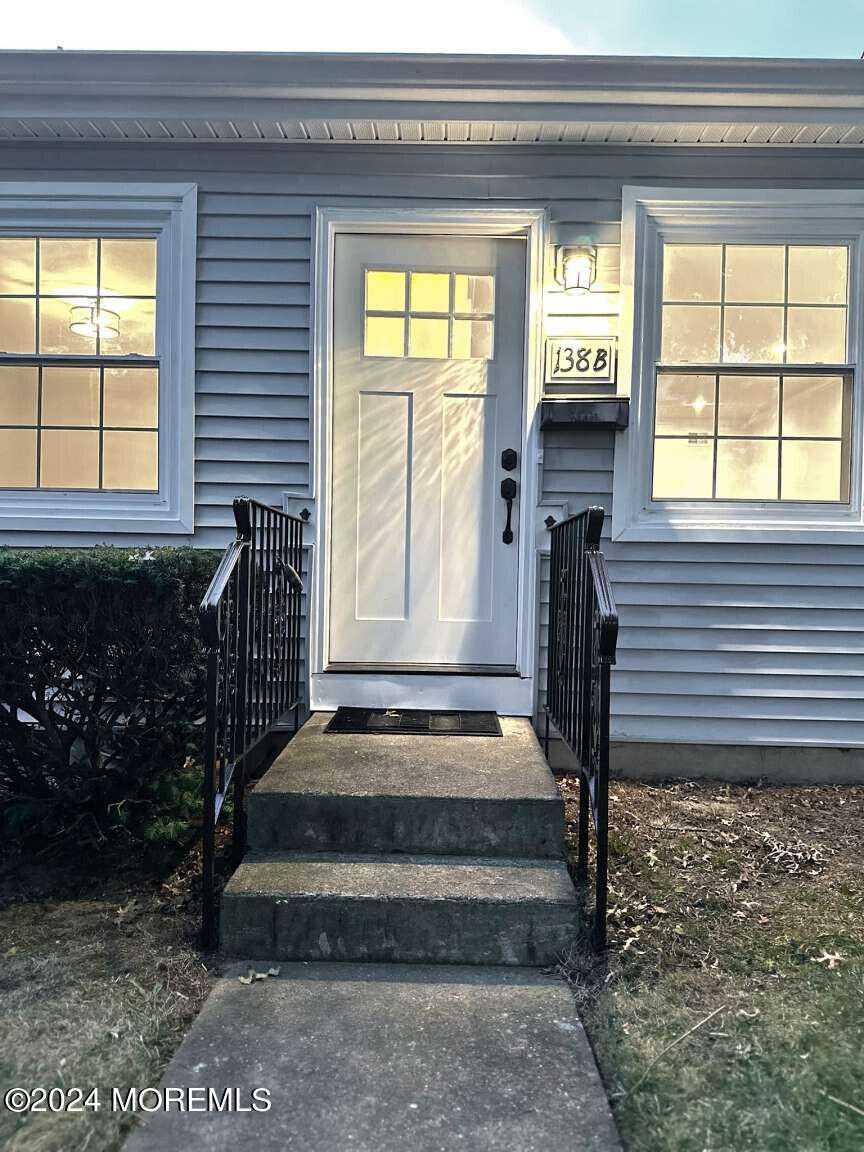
(168, 212)
(714, 215)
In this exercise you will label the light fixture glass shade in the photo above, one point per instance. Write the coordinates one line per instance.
(90, 320)
(578, 268)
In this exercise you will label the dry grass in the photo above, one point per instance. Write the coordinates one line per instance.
(98, 982)
(730, 1014)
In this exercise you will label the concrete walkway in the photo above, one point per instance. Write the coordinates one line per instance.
(388, 1058)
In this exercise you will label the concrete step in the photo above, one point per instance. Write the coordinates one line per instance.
(413, 909)
(470, 795)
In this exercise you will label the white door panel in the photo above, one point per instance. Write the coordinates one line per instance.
(420, 574)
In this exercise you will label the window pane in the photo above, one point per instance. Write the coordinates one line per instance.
(428, 338)
(18, 457)
(128, 268)
(813, 406)
(817, 275)
(67, 267)
(17, 326)
(472, 339)
(812, 470)
(385, 336)
(70, 396)
(692, 271)
(70, 459)
(755, 273)
(18, 265)
(430, 291)
(55, 332)
(684, 404)
(816, 336)
(19, 395)
(385, 291)
(683, 469)
(691, 335)
(137, 328)
(131, 398)
(749, 406)
(746, 469)
(130, 461)
(474, 294)
(753, 335)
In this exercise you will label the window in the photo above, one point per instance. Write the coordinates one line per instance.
(745, 429)
(96, 356)
(429, 315)
(79, 377)
(746, 410)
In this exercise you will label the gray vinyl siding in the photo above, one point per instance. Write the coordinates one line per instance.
(719, 643)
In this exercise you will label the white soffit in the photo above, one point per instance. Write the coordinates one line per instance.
(347, 99)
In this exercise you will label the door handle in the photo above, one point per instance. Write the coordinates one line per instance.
(508, 492)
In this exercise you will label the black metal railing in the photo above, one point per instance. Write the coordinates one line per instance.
(583, 633)
(250, 623)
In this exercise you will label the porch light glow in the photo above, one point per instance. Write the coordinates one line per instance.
(90, 320)
(575, 268)
(699, 404)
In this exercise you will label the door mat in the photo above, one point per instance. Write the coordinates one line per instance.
(413, 722)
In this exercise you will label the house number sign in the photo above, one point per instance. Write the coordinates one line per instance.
(572, 358)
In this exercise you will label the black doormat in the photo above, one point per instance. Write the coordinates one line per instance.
(414, 722)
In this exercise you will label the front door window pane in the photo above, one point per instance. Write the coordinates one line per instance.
(447, 315)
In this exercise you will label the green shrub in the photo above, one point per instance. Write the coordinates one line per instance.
(102, 690)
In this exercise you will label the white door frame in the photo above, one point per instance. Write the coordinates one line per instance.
(512, 694)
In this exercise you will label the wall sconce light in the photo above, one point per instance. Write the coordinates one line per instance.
(91, 320)
(575, 268)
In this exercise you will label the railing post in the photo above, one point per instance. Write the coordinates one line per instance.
(242, 516)
(602, 802)
(208, 836)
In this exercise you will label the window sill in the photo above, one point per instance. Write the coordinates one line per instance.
(653, 528)
(39, 511)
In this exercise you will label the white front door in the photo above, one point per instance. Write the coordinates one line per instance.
(428, 336)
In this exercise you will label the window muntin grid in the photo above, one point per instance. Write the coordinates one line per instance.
(79, 374)
(74, 427)
(737, 427)
(428, 315)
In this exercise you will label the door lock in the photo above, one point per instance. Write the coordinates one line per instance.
(508, 492)
(509, 459)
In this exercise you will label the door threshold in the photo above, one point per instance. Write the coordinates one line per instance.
(354, 668)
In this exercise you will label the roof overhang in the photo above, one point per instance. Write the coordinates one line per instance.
(252, 97)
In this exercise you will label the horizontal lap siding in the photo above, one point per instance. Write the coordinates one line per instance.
(718, 643)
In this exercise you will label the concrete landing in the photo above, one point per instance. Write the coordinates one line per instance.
(389, 1058)
(471, 795)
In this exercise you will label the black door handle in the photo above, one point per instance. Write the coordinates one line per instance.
(508, 491)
